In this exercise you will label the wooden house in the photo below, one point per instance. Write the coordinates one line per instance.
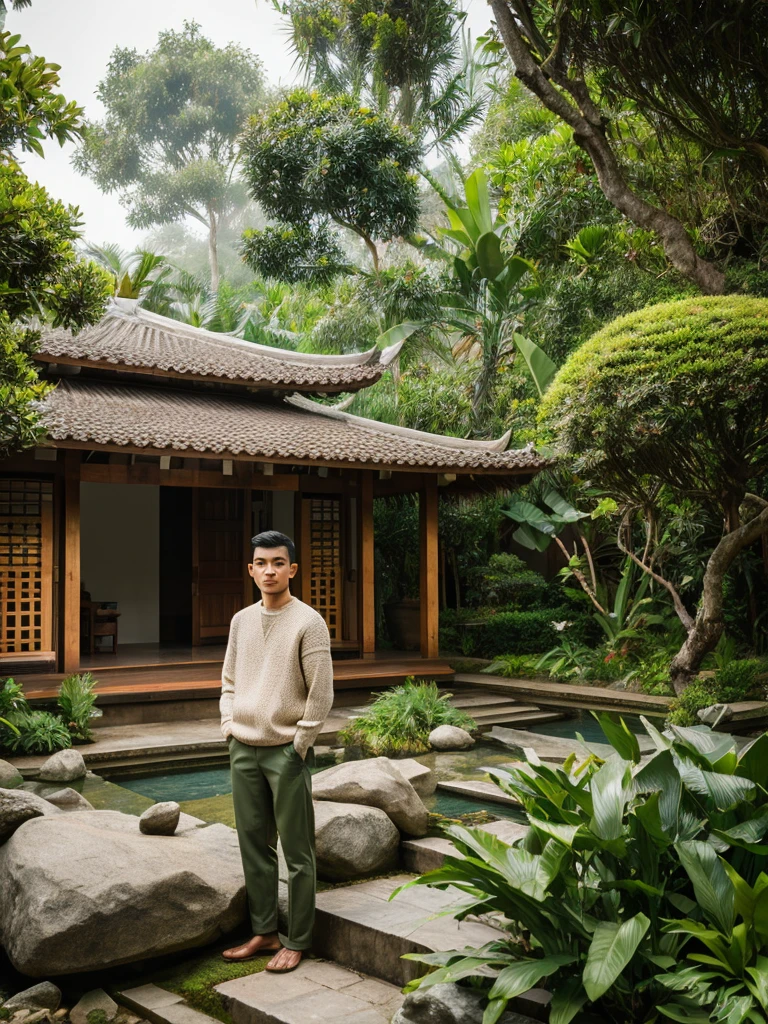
(167, 447)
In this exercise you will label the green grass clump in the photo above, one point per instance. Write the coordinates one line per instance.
(741, 679)
(400, 720)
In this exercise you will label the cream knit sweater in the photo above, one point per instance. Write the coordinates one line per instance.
(277, 681)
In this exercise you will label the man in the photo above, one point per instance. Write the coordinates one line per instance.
(277, 690)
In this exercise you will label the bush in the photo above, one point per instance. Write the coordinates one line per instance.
(735, 681)
(76, 700)
(40, 732)
(494, 633)
(627, 868)
(505, 580)
(400, 720)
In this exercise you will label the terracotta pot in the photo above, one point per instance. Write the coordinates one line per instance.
(403, 620)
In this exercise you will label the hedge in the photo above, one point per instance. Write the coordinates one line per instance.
(530, 632)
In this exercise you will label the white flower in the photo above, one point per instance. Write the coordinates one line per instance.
(560, 626)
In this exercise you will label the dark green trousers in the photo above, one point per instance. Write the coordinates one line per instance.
(272, 795)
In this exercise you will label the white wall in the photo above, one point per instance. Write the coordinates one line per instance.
(120, 554)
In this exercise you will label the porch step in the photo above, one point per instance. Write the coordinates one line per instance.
(317, 992)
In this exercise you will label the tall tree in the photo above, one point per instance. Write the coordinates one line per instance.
(168, 141)
(696, 69)
(41, 274)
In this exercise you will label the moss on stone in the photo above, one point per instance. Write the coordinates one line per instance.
(195, 980)
(97, 1016)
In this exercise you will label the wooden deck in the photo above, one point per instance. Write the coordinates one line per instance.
(162, 680)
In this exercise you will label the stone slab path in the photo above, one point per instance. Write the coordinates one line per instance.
(479, 790)
(317, 992)
(566, 695)
(422, 855)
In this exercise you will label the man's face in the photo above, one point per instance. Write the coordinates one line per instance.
(271, 569)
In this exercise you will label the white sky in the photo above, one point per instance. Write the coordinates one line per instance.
(80, 36)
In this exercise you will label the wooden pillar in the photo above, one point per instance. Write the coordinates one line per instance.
(71, 578)
(366, 572)
(429, 568)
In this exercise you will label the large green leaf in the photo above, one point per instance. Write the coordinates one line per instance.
(621, 738)
(611, 949)
(490, 258)
(567, 999)
(713, 888)
(725, 791)
(540, 366)
(532, 539)
(660, 775)
(399, 333)
(703, 743)
(478, 201)
(519, 977)
(609, 789)
(748, 835)
(753, 761)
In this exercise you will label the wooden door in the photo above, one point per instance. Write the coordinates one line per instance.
(220, 582)
(321, 560)
(26, 569)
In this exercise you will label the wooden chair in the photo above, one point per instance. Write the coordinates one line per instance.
(97, 621)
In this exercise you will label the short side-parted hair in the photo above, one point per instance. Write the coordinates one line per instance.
(274, 539)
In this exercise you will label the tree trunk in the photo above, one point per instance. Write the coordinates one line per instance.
(585, 118)
(708, 625)
(213, 250)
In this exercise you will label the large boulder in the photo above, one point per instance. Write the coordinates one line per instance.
(423, 779)
(86, 890)
(45, 996)
(352, 841)
(69, 800)
(160, 819)
(450, 737)
(10, 776)
(374, 782)
(63, 766)
(18, 806)
(449, 1004)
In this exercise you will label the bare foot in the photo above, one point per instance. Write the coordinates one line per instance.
(285, 960)
(255, 946)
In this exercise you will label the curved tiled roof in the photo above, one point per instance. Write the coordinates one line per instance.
(154, 418)
(134, 339)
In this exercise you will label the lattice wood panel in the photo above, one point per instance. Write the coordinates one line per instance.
(26, 570)
(325, 560)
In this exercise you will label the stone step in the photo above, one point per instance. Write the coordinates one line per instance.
(317, 992)
(422, 855)
(510, 710)
(527, 718)
(480, 790)
(357, 927)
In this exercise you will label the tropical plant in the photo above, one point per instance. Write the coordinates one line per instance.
(37, 732)
(521, 666)
(399, 721)
(168, 140)
(505, 580)
(673, 401)
(77, 702)
(618, 873)
(568, 660)
(737, 681)
(12, 699)
(138, 274)
(314, 158)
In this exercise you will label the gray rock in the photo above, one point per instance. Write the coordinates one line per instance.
(18, 806)
(85, 890)
(9, 775)
(448, 1004)
(96, 999)
(160, 819)
(45, 996)
(69, 800)
(715, 713)
(450, 737)
(375, 782)
(63, 766)
(353, 841)
(422, 778)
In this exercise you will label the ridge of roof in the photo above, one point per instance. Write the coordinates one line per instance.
(499, 444)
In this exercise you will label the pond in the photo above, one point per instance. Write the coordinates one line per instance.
(585, 723)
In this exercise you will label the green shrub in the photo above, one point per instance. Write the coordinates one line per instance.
(12, 699)
(400, 720)
(76, 700)
(505, 580)
(628, 867)
(521, 666)
(40, 732)
(737, 680)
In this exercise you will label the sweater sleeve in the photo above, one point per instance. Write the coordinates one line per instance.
(227, 698)
(317, 668)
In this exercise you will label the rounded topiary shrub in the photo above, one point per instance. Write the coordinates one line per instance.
(677, 392)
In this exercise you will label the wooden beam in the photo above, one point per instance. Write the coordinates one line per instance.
(367, 617)
(148, 473)
(428, 569)
(71, 576)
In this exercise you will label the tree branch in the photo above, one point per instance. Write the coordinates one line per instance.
(682, 611)
(580, 577)
(584, 117)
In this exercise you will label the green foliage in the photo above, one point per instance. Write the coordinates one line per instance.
(39, 732)
(627, 866)
(505, 580)
(20, 388)
(30, 107)
(77, 702)
(294, 253)
(737, 681)
(399, 721)
(676, 393)
(492, 633)
(12, 699)
(314, 157)
(568, 660)
(513, 666)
